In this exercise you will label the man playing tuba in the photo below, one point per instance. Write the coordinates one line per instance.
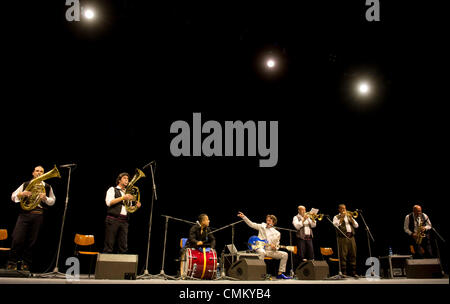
(117, 216)
(30, 221)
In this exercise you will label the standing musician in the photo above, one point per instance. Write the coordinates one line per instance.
(200, 234)
(267, 232)
(29, 223)
(304, 224)
(345, 222)
(117, 217)
(417, 225)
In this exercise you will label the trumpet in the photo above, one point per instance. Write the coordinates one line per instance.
(314, 216)
(353, 214)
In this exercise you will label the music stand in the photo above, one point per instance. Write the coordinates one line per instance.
(290, 243)
(55, 273)
(339, 276)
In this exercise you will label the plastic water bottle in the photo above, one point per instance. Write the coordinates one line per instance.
(390, 251)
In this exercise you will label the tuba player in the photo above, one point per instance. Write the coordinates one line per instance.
(29, 223)
(116, 222)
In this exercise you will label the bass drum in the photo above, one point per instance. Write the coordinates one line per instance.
(199, 263)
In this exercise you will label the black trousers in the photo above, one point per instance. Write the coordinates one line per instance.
(347, 251)
(24, 237)
(305, 249)
(116, 231)
(422, 251)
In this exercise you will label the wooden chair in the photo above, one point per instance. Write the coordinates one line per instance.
(326, 253)
(85, 242)
(3, 237)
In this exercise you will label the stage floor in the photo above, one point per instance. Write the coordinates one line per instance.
(84, 280)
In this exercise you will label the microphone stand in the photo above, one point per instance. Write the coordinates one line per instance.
(290, 243)
(146, 274)
(222, 268)
(369, 237)
(55, 273)
(437, 248)
(162, 273)
(339, 276)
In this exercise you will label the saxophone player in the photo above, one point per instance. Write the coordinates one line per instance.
(117, 217)
(29, 223)
(417, 225)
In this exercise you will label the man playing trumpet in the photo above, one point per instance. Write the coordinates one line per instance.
(304, 223)
(346, 223)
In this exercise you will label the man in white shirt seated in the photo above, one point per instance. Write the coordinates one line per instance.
(266, 231)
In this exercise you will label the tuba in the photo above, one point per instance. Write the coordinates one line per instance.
(130, 205)
(36, 188)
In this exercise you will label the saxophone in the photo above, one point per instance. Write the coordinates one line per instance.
(420, 232)
(36, 188)
(130, 205)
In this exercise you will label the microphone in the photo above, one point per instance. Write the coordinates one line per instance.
(198, 223)
(68, 166)
(150, 163)
(359, 210)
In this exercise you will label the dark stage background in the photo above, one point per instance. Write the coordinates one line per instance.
(104, 95)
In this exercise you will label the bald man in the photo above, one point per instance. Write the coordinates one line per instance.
(414, 223)
(28, 224)
(304, 224)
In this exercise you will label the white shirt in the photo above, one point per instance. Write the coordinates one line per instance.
(270, 234)
(50, 196)
(298, 223)
(416, 224)
(111, 194)
(348, 228)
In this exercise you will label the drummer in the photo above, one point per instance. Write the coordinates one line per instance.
(200, 235)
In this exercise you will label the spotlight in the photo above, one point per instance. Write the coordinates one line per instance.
(89, 13)
(270, 63)
(363, 88)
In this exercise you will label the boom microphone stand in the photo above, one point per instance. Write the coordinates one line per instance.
(339, 276)
(146, 274)
(222, 268)
(437, 248)
(162, 273)
(290, 243)
(369, 237)
(55, 273)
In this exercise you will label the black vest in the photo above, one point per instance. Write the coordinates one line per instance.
(114, 211)
(411, 221)
(47, 188)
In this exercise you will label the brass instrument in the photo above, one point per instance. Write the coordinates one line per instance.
(314, 216)
(36, 188)
(131, 205)
(353, 214)
(420, 232)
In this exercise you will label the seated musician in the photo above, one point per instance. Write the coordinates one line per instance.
(200, 235)
(267, 232)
